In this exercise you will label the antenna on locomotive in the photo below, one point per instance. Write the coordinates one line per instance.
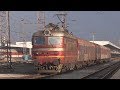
(62, 17)
(41, 20)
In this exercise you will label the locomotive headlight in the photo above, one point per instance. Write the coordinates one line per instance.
(37, 53)
(40, 52)
(47, 32)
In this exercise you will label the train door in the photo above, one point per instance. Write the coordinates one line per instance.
(81, 53)
(65, 49)
(97, 52)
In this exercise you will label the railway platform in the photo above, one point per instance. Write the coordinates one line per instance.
(25, 70)
(116, 75)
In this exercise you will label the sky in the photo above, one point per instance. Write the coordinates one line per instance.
(105, 24)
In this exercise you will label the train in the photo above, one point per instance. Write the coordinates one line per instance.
(56, 50)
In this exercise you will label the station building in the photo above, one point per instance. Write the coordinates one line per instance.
(115, 50)
(18, 49)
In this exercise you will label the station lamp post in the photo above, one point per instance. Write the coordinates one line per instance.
(93, 36)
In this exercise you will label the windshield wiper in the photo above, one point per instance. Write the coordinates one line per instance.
(50, 43)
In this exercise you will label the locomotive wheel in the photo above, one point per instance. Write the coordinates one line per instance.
(76, 66)
(72, 66)
(64, 68)
(59, 68)
(68, 67)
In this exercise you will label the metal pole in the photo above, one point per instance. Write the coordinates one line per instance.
(119, 42)
(41, 20)
(23, 37)
(93, 36)
(9, 38)
(8, 41)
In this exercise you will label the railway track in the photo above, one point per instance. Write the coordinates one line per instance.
(82, 73)
(104, 73)
(61, 75)
(32, 75)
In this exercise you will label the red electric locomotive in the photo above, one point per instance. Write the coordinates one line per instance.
(56, 50)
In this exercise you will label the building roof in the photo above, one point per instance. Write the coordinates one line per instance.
(22, 44)
(104, 43)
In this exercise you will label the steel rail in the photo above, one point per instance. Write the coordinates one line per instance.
(104, 73)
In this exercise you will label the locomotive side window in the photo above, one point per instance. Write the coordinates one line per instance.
(39, 40)
(54, 40)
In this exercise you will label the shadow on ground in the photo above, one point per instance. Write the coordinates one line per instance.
(17, 68)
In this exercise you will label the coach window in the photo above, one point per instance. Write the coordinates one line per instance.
(39, 40)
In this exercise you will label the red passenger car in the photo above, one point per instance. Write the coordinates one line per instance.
(105, 53)
(57, 50)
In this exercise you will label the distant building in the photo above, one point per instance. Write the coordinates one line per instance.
(115, 50)
(18, 48)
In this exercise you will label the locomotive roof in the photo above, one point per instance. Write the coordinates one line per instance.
(54, 30)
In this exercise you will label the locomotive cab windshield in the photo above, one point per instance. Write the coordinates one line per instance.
(54, 40)
(48, 40)
(39, 40)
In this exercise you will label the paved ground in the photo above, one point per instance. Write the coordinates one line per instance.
(116, 75)
(20, 69)
(78, 74)
(25, 69)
